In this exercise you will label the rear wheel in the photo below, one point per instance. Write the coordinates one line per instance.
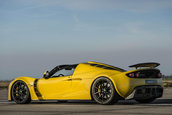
(103, 91)
(145, 100)
(20, 92)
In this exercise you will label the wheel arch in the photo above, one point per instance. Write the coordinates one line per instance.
(30, 84)
(108, 77)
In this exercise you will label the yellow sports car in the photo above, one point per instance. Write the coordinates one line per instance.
(100, 82)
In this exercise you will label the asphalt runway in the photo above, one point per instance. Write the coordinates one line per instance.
(162, 106)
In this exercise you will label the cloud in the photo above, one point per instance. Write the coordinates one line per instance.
(127, 5)
(135, 27)
(75, 18)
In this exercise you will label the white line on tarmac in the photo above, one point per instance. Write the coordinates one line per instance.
(5, 102)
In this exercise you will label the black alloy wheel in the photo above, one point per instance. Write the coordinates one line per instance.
(20, 92)
(103, 91)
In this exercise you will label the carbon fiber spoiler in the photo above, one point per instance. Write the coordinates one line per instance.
(148, 64)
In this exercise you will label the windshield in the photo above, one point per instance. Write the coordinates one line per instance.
(62, 70)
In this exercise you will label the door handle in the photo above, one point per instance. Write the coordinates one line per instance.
(71, 79)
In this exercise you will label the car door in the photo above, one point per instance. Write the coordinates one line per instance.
(55, 87)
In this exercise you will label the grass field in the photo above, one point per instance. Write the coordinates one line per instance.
(166, 83)
(4, 84)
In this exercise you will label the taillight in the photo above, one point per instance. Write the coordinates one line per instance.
(131, 75)
(145, 74)
(159, 75)
(137, 74)
(134, 75)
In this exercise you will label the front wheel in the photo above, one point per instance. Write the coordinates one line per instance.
(103, 91)
(145, 100)
(20, 92)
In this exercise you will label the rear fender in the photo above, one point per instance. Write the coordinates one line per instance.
(107, 76)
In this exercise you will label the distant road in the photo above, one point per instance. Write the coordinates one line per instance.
(128, 107)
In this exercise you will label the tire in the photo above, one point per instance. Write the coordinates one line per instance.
(20, 92)
(103, 91)
(145, 100)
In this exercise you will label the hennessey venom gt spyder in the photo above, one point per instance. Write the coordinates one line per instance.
(100, 82)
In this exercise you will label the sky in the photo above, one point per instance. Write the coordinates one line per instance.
(37, 35)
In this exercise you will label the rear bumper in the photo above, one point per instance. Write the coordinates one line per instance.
(146, 92)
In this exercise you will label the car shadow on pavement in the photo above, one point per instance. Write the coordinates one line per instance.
(163, 101)
(86, 102)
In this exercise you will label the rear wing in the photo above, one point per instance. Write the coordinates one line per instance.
(149, 64)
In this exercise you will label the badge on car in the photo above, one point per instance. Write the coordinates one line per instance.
(151, 81)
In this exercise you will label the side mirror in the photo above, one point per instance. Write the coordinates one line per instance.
(46, 75)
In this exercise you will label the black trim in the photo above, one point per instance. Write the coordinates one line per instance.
(109, 67)
(148, 64)
(148, 91)
(38, 94)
